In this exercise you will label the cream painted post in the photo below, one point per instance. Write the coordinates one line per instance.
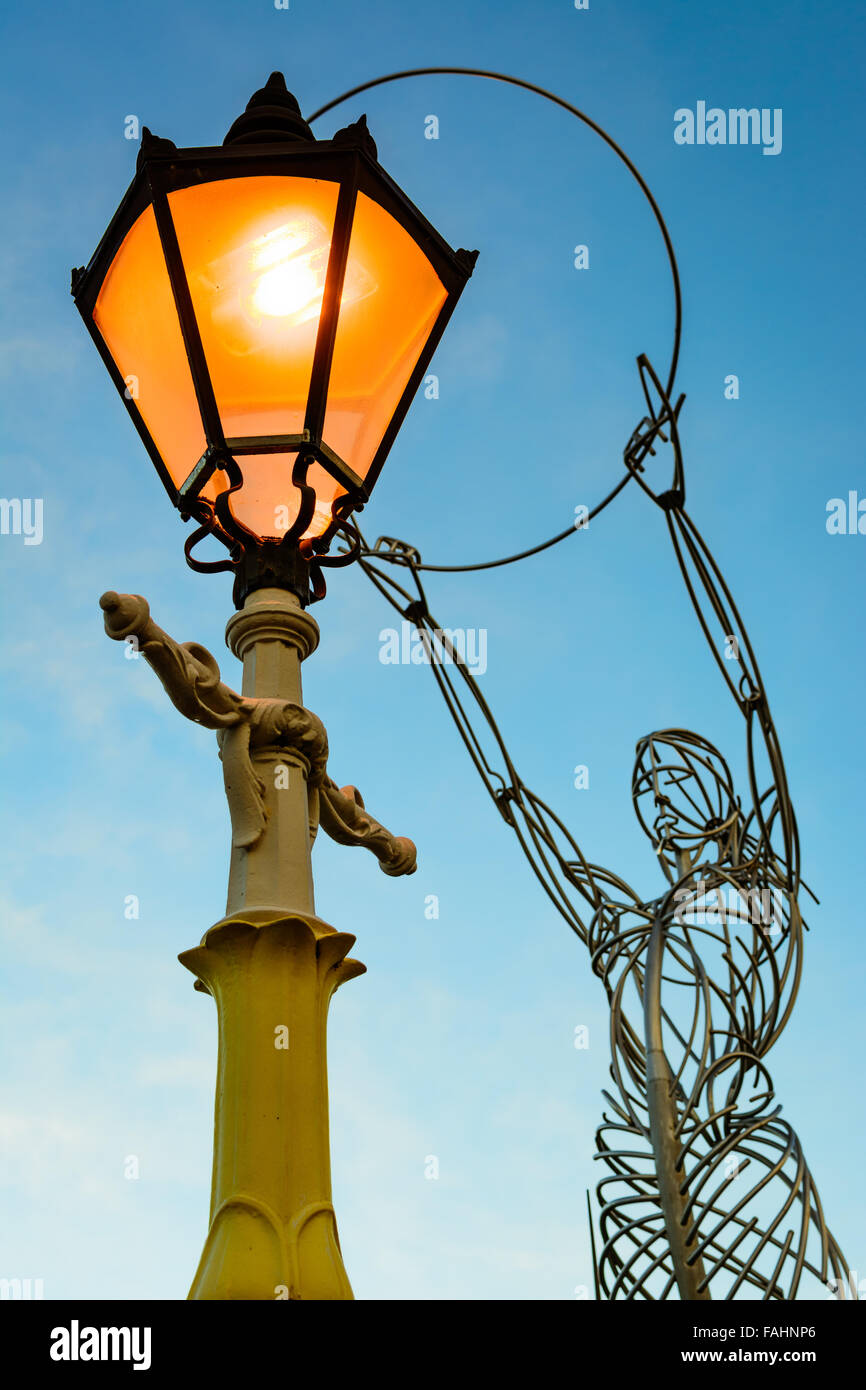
(272, 635)
(271, 964)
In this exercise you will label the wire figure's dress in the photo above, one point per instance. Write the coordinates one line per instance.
(708, 1192)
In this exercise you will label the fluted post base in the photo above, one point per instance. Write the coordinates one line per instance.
(273, 1232)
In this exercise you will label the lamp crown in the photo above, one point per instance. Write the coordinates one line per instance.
(272, 113)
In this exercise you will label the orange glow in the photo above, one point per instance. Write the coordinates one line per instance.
(256, 252)
(268, 503)
(379, 341)
(136, 316)
(278, 275)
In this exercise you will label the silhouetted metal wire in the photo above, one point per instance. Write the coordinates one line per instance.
(669, 248)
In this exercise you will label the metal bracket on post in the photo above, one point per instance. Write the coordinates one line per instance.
(191, 677)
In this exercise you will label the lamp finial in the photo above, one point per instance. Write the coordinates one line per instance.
(272, 113)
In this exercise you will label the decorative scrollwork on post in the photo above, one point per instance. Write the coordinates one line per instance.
(345, 819)
(191, 678)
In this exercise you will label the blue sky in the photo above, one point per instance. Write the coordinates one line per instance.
(459, 1040)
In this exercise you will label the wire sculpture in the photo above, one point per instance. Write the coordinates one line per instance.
(707, 1192)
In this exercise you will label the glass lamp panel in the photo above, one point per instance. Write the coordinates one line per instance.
(268, 503)
(390, 304)
(136, 316)
(256, 253)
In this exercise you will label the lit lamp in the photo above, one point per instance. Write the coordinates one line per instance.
(267, 310)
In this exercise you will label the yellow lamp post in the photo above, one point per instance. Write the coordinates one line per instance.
(267, 309)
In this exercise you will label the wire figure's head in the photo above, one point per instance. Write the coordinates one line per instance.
(683, 796)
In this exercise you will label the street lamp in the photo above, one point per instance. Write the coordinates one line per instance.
(267, 310)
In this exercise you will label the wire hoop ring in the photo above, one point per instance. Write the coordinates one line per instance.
(645, 189)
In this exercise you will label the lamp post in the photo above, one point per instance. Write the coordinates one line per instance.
(267, 309)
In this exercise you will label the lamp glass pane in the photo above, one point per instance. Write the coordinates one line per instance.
(137, 319)
(381, 332)
(256, 253)
(268, 503)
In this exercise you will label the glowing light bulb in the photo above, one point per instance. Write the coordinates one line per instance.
(290, 288)
(266, 287)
